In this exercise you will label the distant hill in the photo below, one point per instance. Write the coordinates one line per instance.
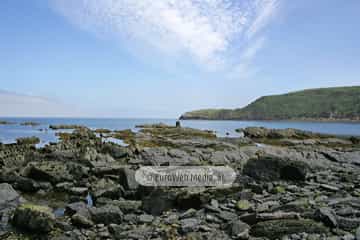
(339, 103)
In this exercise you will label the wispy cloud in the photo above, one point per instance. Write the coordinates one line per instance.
(21, 105)
(205, 30)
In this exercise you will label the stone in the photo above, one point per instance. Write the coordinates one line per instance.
(159, 201)
(54, 172)
(127, 179)
(189, 225)
(107, 214)
(357, 233)
(81, 221)
(239, 229)
(9, 200)
(107, 188)
(272, 168)
(73, 208)
(128, 206)
(146, 218)
(275, 229)
(327, 216)
(34, 218)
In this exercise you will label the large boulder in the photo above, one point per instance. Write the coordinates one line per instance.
(9, 200)
(54, 172)
(107, 214)
(159, 201)
(34, 218)
(107, 188)
(127, 179)
(272, 168)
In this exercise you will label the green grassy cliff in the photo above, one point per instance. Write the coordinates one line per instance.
(339, 103)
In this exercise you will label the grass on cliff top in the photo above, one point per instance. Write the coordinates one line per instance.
(322, 103)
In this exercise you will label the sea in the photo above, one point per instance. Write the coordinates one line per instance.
(9, 133)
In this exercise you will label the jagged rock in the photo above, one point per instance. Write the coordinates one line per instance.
(107, 188)
(26, 184)
(327, 216)
(34, 218)
(271, 168)
(73, 208)
(348, 224)
(107, 214)
(81, 220)
(54, 172)
(115, 150)
(9, 200)
(275, 229)
(127, 179)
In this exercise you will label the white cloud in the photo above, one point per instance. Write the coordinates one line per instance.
(21, 105)
(206, 30)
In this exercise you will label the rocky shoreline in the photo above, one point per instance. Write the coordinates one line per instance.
(290, 184)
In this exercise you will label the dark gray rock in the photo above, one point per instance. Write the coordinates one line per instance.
(34, 218)
(107, 188)
(327, 216)
(127, 179)
(159, 201)
(73, 208)
(238, 229)
(146, 218)
(107, 214)
(271, 168)
(275, 229)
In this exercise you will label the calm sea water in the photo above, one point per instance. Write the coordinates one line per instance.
(8, 133)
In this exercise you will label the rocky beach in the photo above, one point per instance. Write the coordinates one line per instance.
(290, 184)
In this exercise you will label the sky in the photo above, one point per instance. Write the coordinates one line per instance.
(145, 58)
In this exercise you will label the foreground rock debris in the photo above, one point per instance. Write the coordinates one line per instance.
(291, 184)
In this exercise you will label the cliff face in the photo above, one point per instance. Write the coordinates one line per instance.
(340, 103)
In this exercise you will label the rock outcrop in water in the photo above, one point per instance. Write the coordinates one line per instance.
(290, 185)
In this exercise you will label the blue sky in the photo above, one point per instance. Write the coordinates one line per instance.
(161, 58)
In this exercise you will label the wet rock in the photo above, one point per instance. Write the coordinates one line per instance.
(271, 168)
(107, 214)
(327, 216)
(34, 218)
(275, 229)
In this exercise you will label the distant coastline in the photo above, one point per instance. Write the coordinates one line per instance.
(339, 104)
